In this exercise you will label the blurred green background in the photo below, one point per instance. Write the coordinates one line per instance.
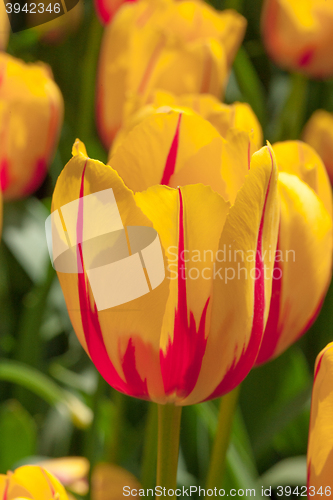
(50, 390)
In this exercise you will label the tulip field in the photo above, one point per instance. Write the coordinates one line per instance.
(166, 307)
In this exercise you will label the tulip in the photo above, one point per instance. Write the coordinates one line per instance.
(30, 481)
(181, 47)
(320, 444)
(56, 31)
(196, 334)
(107, 481)
(106, 9)
(318, 132)
(304, 253)
(31, 113)
(298, 35)
(223, 116)
(72, 472)
(4, 26)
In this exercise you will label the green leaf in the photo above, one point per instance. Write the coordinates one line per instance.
(288, 472)
(24, 234)
(250, 84)
(44, 387)
(18, 435)
(272, 396)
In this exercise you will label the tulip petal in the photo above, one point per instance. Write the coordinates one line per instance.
(121, 339)
(320, 445)
(162, 145)
(31, 113)
(305, 258)
(298, 158)
(191, 251)
(237, 325)
(34, 482)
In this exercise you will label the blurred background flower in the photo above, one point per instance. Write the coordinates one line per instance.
(298, 35)
(31, 115)
(320, 447)
(318, 132)
(106, 9)
(181, 47)
(31, 481)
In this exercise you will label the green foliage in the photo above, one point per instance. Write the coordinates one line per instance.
(49, 390)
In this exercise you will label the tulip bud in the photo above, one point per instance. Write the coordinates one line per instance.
(320, 444)
(298, 35)
(303, 259)
(163, 276)
(106, 9)
(180, 47)
(31, 114)
(318, 132)
(31, 481)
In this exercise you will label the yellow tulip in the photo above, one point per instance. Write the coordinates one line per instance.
(72, 472)
(223, 116)
(195, 331)
(318, 132)
(31, 113)
(298, 35)
(181, 47)
(107, 481)
(33, 482)
(304, 253)
(320, 444)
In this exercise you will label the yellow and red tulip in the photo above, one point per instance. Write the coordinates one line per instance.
(181, 47)
(320, 444)
(31, 113)
(318, 132)
(107, 481)
(298, 35)
(304, 252)
(187, 340)
(72, 472)
(238, 115)
(33, 482)
(106, 9)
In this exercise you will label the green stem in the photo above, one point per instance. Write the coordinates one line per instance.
(148, 469)
(169, 417)
(233, 4)
(249, 84)
(88, 85)
(218, 459)
(91, 437)
(115, 445)
(29, 346)
(291, 119)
